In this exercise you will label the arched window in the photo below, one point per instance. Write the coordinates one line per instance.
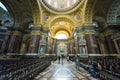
(3, 7)
(4, 14)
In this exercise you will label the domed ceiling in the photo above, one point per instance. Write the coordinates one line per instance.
(61, 4)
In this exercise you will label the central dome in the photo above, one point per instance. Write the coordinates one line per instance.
(61, 5)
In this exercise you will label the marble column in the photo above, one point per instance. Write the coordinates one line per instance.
(48, 45)
(77, 45)
(110, 43)
(43, 44)
(54, 46)
(102, 44)
(92, 44)
(117, 46)
(14, 43)
(34, 40)
(68, 48)
(72, 48)
(4, 46)
(91, 39)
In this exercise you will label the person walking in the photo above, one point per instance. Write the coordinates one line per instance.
(62, 56)
(67, 57)
(77, 64)
(59, 59)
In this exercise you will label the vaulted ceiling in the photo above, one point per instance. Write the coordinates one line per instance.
(24, 12)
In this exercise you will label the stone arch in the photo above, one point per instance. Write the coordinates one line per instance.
(55, 29)
(89, 11)
(36, 11)
(60, 18)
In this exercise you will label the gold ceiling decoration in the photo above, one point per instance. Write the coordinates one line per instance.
(60, 18)
(62, 24)
(62, 27)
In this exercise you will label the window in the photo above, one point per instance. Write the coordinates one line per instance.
(4, 14)
(3, 7)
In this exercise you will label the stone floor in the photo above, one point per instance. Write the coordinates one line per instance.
(64, 71)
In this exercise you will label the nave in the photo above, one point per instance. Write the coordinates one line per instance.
(48, 67)
(64, 71)
(33, 33)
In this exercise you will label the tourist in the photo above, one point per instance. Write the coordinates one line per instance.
(77, 59)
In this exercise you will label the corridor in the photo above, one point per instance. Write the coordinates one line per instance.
(63, 71)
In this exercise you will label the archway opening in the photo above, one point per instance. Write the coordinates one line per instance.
(62, 35)
(62, 29)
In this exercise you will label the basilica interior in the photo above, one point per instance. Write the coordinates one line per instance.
(39, 39)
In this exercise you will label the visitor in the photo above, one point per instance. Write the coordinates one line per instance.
(77, 64)
(94, 68)
(59, 59)
(62, 57)
(67, 57)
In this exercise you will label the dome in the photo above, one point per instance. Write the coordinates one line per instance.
(61, 5)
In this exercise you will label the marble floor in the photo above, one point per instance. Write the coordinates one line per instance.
(64, 71)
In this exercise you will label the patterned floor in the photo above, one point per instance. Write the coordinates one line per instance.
(64, 71)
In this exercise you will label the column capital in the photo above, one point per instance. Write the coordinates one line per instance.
(89, 25)
(36, 33)
(17, 33)
(13, 28)
(89, 29)
(36, 30)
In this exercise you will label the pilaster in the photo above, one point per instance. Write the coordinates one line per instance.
(14, 42)
(5, 44)
(34, 39)
(111, 46)
(91, 40)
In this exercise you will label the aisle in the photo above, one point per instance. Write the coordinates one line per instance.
(63, 71)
